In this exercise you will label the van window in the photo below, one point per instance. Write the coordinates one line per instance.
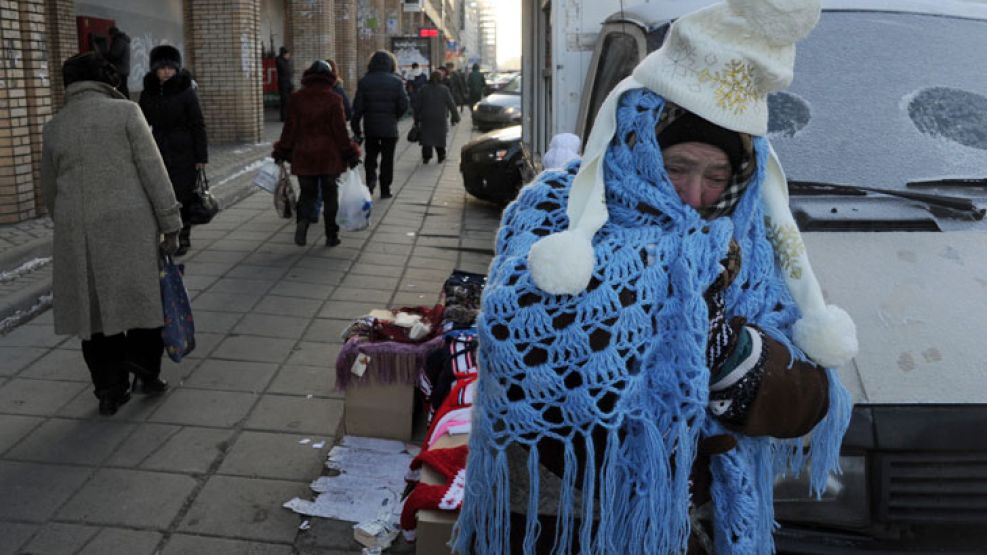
(618, 58)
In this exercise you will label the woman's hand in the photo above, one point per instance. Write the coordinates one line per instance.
(169, 245)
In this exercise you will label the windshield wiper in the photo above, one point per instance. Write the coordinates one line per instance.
(949, 182)
(958, 204)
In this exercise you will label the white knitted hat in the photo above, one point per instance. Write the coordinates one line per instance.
(719, 63)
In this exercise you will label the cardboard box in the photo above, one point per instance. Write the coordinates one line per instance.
(379, 410)
(435, 527)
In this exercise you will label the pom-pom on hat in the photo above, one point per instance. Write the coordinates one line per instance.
(719, 63)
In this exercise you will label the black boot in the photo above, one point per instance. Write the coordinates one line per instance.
(385, 192)
(332, 234)
(150, 386)
(301, 231)
(111, 400)
(184, 240)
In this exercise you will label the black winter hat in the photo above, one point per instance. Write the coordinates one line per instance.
(89, 66)
(689, 127)
(320, 67)
(165, 55)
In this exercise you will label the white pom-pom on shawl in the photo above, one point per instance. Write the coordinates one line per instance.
(828, 336)
(562, 263)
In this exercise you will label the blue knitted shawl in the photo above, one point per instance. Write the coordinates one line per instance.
(646, 304)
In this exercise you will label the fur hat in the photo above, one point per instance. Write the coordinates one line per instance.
(89, 66)
(719, 63)
(165, 55)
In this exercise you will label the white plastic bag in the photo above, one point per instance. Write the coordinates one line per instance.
(267, 177)
(355, 202)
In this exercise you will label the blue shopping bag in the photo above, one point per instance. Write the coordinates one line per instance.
(179, 328)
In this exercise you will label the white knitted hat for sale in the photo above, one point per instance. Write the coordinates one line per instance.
(719, 63)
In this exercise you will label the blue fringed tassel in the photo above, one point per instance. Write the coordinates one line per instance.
(828, 434)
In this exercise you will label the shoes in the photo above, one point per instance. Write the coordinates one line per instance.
(184, 241)
(301, 231)
(152, 386)
(386, 194)
(182, 250)
(425, 160)
(109, 403)
(441, 159)
(332, 240)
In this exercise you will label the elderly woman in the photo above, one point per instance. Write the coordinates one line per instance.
(434, 106)
(111, 201)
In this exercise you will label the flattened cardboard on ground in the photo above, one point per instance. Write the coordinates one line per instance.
(435, 527)
(380, 410)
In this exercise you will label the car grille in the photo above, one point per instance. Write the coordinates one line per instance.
(929, 488)
(488, 109)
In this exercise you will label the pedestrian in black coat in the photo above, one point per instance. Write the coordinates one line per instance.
(171, 107)
(118, 54)
(434, 106)
(379, 102)
(285, 86)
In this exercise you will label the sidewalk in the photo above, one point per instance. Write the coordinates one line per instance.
(25, 248)
(205, 468)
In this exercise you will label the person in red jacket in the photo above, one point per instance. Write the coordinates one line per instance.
(315, 141)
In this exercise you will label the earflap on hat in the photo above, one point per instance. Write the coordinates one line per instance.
(826, 333)
(562, 263)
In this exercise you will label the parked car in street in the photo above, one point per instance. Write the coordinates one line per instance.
(495, 165)
(501, 109)
(883, 137)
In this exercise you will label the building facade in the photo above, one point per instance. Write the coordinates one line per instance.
(228, 45)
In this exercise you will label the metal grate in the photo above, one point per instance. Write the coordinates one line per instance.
(932, 488)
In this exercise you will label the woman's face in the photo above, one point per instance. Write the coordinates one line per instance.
(165, 72)
(699, 171)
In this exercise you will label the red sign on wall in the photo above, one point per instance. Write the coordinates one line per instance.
(270, 75)
(428, 33)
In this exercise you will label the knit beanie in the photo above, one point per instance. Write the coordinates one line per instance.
(719, 63)
(690, 128)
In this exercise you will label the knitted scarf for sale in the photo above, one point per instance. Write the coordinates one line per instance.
(655, 258)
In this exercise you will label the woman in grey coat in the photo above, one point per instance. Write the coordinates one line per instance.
(111, 200)
(434, 106)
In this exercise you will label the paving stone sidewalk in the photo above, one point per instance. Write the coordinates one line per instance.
(206, 467)
(25, 248)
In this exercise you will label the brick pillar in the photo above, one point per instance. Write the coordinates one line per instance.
(350, 66)
(312, 25)
(223, 49)
(63, 43)
(25, 105)
(366, 37)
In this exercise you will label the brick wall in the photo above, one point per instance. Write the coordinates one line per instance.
(63, 43)
(25, 105)
(366, 37)
(312, 27)
(350, 67)
(223, 49)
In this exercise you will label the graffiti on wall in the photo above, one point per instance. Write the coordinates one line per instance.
(312, 7)
(366, 19)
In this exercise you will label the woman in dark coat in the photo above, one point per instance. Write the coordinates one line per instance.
(379, 103)
(171, 108)
(434, 107)
(314, 140)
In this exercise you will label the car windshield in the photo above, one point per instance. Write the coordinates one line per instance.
(881, 99)
(512, 87)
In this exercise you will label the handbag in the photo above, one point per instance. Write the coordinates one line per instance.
(284, 195)
(204, 206)
(415, 133)
(178, 332)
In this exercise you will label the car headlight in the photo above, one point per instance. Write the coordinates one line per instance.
(844, 502)
(510, 111)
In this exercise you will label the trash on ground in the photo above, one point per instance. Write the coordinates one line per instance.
(370, 482)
